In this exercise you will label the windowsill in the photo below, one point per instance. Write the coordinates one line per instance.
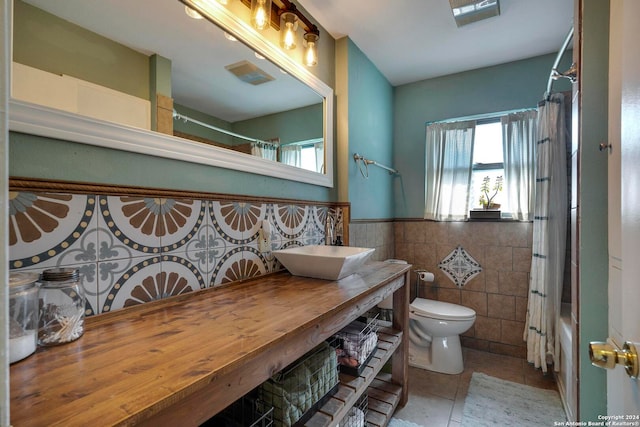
(494, 220)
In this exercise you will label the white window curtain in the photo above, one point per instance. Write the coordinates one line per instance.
(449, 157)
(264, 151)
(291, 155)
(519, 151)
(319, 149)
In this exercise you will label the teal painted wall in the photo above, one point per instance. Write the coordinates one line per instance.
(296, 125)
(592, 202)
(515, 85)
(44, 158)
(370, 118)
(201, 131)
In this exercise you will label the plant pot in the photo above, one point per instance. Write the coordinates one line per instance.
(484, 214)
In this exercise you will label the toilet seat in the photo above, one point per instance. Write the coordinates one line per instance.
(440, 310)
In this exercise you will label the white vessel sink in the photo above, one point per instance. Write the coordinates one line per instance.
(323, 262)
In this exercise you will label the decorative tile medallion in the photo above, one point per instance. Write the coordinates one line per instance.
(460, 267)
(43, 226)
(235, 221)
(290, 220)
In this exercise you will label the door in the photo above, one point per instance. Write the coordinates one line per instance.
(623, 397)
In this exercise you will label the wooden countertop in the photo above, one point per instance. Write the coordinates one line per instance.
(196, 352)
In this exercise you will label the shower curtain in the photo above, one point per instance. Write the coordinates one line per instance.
(549, 236)
(264, 151)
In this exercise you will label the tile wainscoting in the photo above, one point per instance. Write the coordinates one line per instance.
(498, 293)
(373, 234)
(136, 245)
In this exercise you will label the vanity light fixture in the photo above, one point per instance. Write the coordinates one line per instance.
(260, 14)
(311, 48)
(285, 17)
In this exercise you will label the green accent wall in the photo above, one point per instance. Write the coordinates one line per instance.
(505, 87)
(201, 131)
(296, 125)
(370, 134)
(593, 204)
(44, 158)
(46, 42)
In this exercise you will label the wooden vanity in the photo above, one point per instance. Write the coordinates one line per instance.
(179, 361)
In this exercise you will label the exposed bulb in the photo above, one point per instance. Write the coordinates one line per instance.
(311, 56)
(288, 28)
(289, 39)
(260, 17)
(311, 49)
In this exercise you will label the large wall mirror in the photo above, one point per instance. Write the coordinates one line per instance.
(189, 90)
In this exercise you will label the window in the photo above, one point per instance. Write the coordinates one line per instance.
(461, 154)
(309, 157)
(313, 156)
(487, 161)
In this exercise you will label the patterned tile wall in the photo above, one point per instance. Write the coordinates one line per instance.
(498, 293)
(131, 250)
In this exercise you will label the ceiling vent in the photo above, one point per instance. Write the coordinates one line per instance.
(469, 11)
(249, 73)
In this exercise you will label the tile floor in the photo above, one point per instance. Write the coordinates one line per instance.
(437, 400)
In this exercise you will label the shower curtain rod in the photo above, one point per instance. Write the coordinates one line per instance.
(305, 142)
(182, 117)
(554, 74)
(480, 117)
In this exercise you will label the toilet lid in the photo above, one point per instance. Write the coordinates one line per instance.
(441, 310)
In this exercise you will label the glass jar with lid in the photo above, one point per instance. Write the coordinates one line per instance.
(62, 306)
(23, 315)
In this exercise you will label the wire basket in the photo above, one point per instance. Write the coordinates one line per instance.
(247, 411)
(298, 390)
(357, 415)
(356, 344)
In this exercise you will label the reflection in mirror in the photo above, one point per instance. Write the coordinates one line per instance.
(147, 64)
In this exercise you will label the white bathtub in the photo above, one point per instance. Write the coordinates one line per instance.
(564, 376)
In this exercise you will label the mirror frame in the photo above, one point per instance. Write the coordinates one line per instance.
(43, 121)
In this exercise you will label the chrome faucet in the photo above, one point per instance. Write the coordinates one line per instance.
(329, 230)
(333, 230)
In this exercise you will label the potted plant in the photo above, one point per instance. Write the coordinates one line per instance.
(487, 195)
(485, 200)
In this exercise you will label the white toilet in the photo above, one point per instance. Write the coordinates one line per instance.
(434, 333)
